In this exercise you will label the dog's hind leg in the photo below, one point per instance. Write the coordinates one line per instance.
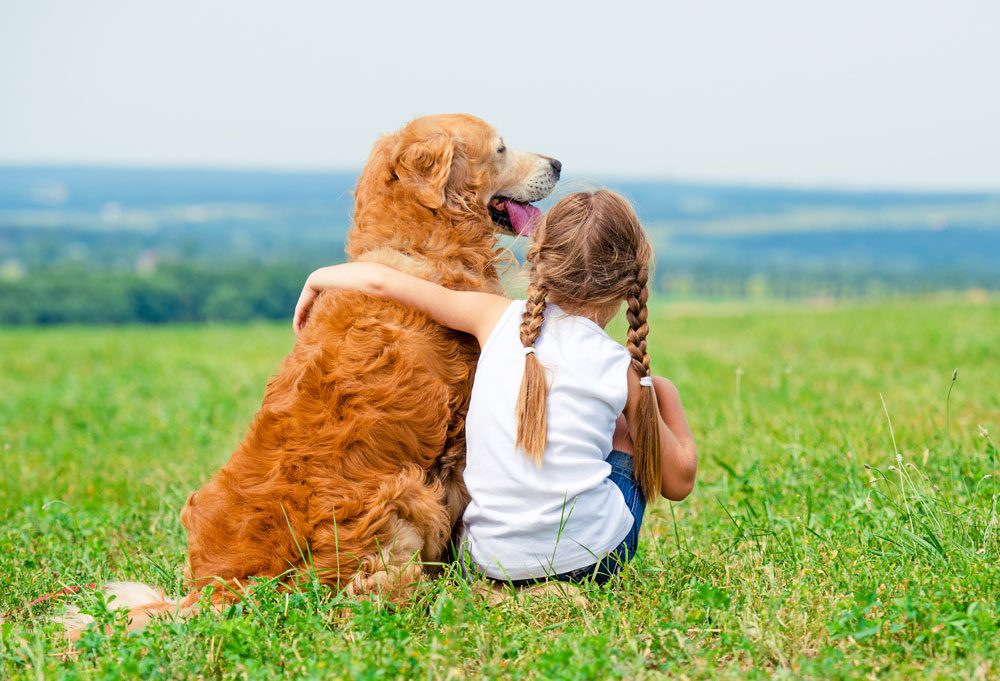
(448, 471)
(393, 571)
(406, 524)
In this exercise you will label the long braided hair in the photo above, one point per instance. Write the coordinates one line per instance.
(590, 253)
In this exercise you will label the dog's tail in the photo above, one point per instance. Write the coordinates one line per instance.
(142, 601)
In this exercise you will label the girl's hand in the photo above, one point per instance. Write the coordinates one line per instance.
(306, 299)
(350, 276)
(622, 439)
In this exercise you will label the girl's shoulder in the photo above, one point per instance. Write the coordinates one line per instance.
(510, 316)
(581, 329)
(583, 341)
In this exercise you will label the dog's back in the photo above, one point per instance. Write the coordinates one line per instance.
(338, 469)
(353, 464)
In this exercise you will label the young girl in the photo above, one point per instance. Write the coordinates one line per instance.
(559, 481)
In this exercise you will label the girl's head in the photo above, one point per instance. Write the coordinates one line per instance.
(590, 254)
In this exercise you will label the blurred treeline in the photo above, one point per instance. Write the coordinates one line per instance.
(243, 291)
(152, 246)
(173, 293)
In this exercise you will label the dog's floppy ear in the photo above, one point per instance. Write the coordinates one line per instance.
(423, 166)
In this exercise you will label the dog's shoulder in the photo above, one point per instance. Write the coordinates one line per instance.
(441, 271)
(412, 265)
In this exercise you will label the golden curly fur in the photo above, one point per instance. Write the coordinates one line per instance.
(353, 465)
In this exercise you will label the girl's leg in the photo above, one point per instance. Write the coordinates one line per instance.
(622, 474)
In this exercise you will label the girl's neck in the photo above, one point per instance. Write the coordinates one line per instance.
(600, 315)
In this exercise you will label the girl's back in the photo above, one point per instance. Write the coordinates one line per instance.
(527, 519)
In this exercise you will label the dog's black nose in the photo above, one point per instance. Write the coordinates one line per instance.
(556, 166)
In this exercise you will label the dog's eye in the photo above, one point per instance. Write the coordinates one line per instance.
(501, 149)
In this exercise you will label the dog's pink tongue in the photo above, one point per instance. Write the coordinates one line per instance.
(523, 217)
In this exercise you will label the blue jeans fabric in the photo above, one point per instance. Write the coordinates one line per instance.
(622, 474)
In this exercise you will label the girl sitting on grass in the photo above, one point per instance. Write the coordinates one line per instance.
(559, 480)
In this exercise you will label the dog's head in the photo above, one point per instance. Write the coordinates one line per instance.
(460, 164)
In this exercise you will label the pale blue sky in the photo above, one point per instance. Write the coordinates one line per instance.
(849, 93)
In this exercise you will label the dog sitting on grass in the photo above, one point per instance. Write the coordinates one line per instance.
(352, 467)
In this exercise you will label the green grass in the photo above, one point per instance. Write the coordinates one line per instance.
(813, 545)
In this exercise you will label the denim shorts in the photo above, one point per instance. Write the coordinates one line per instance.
(622, 475)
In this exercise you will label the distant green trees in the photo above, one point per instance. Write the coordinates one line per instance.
(729, 281)
(77, 293)
(73, 294)
(121, 245)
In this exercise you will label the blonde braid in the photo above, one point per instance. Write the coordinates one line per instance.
(647, 454)
(531, 409)
(637, 315)
(534, 314)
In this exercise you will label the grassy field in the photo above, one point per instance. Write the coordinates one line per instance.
(820, 541)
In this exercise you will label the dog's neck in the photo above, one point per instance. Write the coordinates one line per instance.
(447, 273)
(450, 250)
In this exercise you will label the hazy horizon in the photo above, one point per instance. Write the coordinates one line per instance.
(567, 183)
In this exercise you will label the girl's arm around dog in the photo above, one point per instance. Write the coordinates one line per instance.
(473, 312)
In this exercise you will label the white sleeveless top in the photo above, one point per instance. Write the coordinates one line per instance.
(526, 521)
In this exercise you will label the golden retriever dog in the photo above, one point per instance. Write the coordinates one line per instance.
(352, 467)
